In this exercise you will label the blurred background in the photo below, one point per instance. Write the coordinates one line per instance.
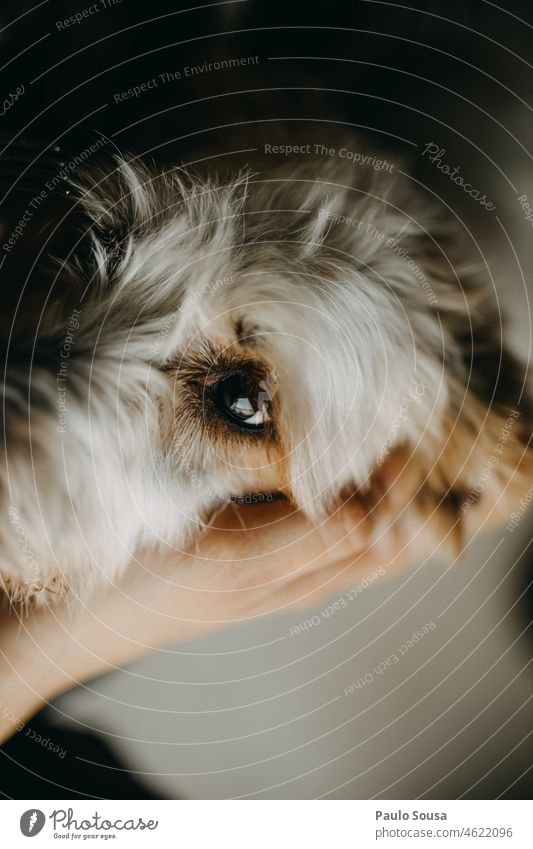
(266, 710)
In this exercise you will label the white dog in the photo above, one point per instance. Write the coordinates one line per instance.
(291, 332)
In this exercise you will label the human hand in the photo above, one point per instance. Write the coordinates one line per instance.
(248, 562)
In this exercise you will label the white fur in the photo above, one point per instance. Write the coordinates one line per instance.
(342, 319)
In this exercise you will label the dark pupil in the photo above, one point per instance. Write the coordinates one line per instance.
(239, 398)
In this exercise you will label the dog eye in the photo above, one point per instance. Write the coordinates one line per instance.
(240, 400)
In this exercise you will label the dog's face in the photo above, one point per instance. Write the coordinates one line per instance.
(274, 335)
(288, 337)
(310, 328)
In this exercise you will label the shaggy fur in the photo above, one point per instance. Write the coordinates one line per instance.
(341, 291)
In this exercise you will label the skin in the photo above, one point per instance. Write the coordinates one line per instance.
(253, 561)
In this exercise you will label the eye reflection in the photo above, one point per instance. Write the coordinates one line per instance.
(241, 400)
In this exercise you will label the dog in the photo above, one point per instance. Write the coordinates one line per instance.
(296, 330)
